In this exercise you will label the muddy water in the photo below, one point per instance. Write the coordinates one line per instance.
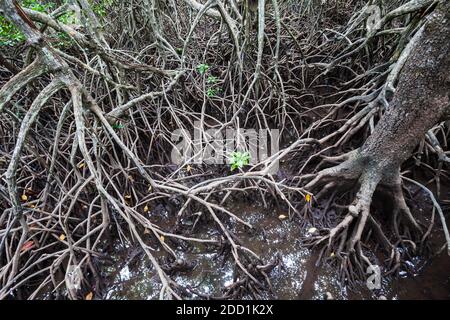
(297, 278)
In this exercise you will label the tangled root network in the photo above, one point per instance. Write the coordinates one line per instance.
(93, 90)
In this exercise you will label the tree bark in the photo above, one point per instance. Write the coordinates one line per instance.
(421, 99)
(420, 102)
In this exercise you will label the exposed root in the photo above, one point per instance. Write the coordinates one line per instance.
(87, 117)
(345, 242)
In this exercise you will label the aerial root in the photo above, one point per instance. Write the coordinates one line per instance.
(346, 241)
(106, 154)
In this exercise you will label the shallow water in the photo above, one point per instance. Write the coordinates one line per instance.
(298, 278)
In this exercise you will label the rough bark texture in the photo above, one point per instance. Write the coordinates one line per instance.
(420, 102)
(421, 99)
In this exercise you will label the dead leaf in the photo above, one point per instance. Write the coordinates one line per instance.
(62, 237)
(27, 246)
(161, 237)
(81, 165)
(188, 168)
(146, 208)
(127, 196)
(308, 197)
(89, 296)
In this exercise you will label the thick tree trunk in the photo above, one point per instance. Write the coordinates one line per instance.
(421, 99)
(420, 102)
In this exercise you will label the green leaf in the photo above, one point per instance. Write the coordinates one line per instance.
(239, 159)
(117, 126)
(211, 79)
(211, 92)
(202, 68)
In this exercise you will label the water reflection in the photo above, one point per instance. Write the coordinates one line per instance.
(297, 278)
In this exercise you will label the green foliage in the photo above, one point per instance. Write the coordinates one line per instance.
(9, 34)
(239, 159)
(100, 8)
(211, 92)
(202, 68)
(67, 18)
(63, 40)
(212, 89)
(38, 5)
(211, 80)
(117, 126)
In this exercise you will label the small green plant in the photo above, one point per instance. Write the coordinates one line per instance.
(212, 89)
(117, 126)
(239, 159)
(63, 40)
(211, 80)
(211, 92)
(202, 68)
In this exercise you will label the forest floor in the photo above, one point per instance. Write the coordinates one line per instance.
(88, 181)
(297, 276)
(129, 275)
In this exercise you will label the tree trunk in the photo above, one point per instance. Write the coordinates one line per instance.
(421, 99)
(420, 102)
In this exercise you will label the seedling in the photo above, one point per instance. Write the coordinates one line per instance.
(211, 80)
(117, 126)
(239, 159)
(202, 68)
(211, 92)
